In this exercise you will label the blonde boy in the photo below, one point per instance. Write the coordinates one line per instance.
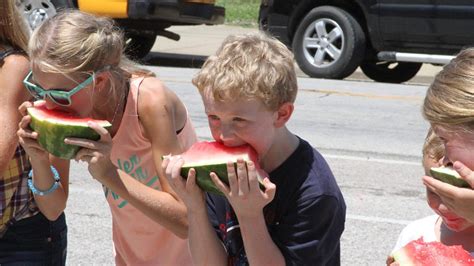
(248, 89)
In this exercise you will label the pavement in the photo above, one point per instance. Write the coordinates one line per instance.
(198, 42)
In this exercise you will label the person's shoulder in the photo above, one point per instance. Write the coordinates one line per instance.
(16, 61)
(153, 93)
(416, 229)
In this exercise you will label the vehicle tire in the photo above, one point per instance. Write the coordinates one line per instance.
(329, 43)
(390, 72)
(34, 12)
(138, 46)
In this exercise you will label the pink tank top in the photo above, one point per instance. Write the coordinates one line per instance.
(138, 240)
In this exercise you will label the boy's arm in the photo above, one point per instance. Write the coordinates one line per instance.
(205, 246)
(259, 246)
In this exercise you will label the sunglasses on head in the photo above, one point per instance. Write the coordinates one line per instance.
(58, 96)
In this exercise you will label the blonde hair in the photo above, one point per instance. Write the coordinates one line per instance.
(433, 147)
(76, 42)
(12, 26)
(250, 66)
(449, 101)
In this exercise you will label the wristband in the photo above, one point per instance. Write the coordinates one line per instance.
(49, 190)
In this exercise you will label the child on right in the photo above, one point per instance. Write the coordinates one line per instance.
(248, 89)
(445, 226)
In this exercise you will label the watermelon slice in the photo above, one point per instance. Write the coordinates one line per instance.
(448, 175)
(420, 253)
(206, 157)
(54, 126)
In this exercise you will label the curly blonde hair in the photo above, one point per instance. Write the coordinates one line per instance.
(250, 66)
(449, 101)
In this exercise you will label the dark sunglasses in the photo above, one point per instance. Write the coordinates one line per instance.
(58, 96)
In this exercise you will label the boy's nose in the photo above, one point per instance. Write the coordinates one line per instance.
(226, 133)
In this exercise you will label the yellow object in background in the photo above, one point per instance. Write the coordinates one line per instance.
(109, 8)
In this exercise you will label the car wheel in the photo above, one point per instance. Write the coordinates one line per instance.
(391, 72)
(138, 46)
(34, 12)
(329, 43)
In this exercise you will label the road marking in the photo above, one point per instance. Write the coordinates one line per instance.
(366, 95)
(369, 159)
(373, 219)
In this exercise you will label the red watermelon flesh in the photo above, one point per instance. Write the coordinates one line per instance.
(421, 253)
(206, 157)
(53, 126)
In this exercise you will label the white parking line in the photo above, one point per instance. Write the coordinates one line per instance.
(369, 159)
(376, 219)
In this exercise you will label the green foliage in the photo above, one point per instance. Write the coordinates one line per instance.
(241, 12)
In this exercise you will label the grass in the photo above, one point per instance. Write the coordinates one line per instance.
(241, 12)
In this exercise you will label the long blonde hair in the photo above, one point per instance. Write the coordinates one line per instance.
(12, 26)
(449, 101)
(74, 42)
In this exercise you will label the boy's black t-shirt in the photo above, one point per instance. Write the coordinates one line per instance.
(305, 219)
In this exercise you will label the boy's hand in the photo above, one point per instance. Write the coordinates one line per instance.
(459, 200)
(187, 189)
(95, 153)
(28, 138)
(243, 192)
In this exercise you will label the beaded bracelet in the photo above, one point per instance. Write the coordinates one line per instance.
(49, 190)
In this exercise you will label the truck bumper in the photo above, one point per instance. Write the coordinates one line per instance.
(179, 12)
(274, 23)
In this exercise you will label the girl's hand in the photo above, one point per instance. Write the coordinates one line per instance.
(187, 189)
(28, 138)
(459, 200)
(95, 153)
(243, 192)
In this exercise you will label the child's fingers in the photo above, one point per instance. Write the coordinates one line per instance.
(270, 188)
(252, 174)
(219, 184)
(440, 188)
(24, 122)
(465, 173)
(242, 177)
(233, 178)
(191, 181)
(104, 134)
(22, 108)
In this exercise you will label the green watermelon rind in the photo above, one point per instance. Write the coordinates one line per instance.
(448, 175)
(51, 135)
(203, 177)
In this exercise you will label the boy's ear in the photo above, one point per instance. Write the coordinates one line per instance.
(284, 113)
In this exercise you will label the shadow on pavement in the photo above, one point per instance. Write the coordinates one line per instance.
(173, 60)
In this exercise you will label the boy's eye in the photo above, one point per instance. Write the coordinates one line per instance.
(213, 117)
(238, 119)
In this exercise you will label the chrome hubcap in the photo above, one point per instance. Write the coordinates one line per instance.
(323, 42)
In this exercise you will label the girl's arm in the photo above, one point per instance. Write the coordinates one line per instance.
(14, 69)
(161, 114)
(53, 204)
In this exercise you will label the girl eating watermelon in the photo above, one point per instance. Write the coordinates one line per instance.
(32, 222)
(78, 67)
(449, 107)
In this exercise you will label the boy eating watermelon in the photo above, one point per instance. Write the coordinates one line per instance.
(248, 89)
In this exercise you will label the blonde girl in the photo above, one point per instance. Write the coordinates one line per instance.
(32, 226)
(82, 51)
(449, 107)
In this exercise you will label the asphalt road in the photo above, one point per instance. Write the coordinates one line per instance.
(370, 133)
